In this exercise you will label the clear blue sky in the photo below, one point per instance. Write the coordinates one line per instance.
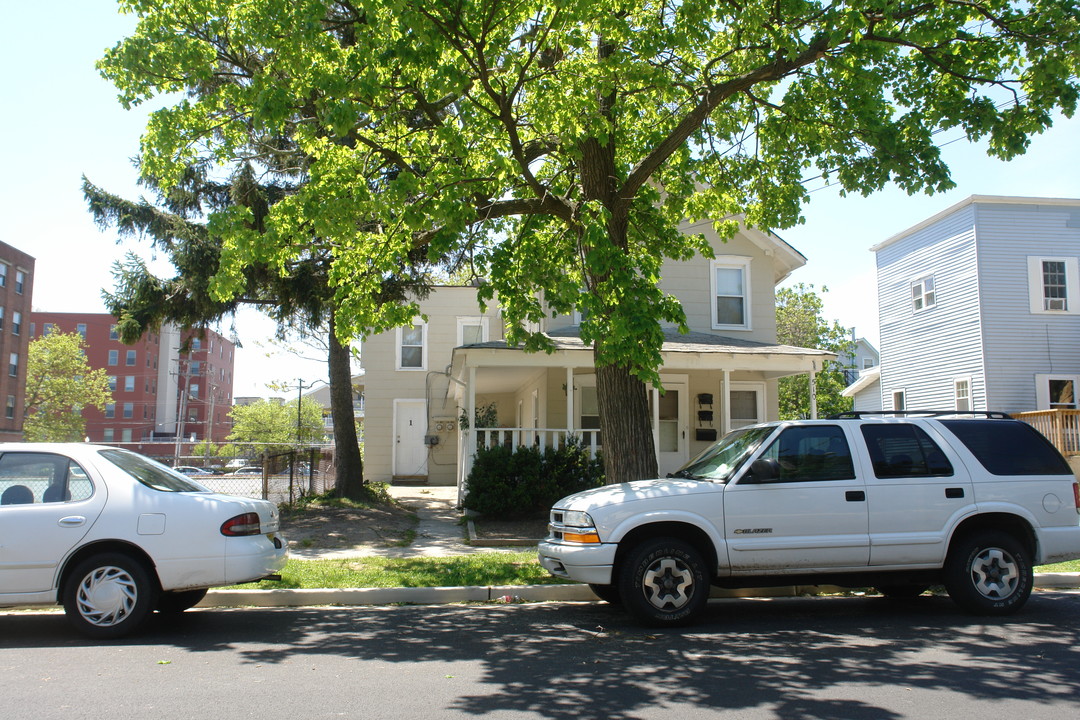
(61, 121)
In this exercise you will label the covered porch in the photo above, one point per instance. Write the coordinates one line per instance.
(712, 384)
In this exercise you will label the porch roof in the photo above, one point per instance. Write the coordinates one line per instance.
(506, 367)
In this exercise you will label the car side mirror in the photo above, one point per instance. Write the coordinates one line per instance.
(763, 470)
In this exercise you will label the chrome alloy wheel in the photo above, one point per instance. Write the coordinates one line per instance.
(668, 583)
(995, 573)
(106, 596)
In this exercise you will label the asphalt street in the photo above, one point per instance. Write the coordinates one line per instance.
(752, 658)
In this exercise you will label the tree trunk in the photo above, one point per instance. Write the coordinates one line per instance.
(349, 476)
(625, 427)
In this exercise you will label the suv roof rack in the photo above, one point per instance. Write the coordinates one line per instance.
(859, 414)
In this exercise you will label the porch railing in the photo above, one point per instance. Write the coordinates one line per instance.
(541, 438)
(1060, 426)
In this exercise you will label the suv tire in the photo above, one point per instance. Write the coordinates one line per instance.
(664, 582)
(989, 573)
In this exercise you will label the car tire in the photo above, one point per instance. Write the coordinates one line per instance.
(607, 593)
(664, 582)
(109, 595)
(902, 592)
(989, 573)
(174, 602)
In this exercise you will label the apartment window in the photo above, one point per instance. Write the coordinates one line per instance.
(9, 410)
(113, 334)
(193, 390)
(112, 383)
(107, 435)
(129, 410)
(899, 400)
(923, 293)
(13, 365)
(412, 347)
(125, 436)
(196, 344)
(472, 330)
(195, 367)
(20, 282)
(130, 358)
(731, 293)
(47, 328)
(129, 383)
(16, 322)
(962, 393)
(2, 319)
(110, 410)
(1053, 284)
(81, 329)
(114, 357)
(3, 274)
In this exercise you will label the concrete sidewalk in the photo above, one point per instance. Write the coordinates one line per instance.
(439, 534)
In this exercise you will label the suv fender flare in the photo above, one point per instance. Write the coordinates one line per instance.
(1006, 518)
(689, 527)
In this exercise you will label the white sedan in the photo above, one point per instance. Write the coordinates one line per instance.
(112, 535)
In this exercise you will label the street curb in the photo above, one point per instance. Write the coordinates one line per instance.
(505, 593)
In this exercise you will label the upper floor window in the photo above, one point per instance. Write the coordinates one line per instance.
(114, 357)
(923, 293)
(867, 363)
(13, 365)
(1053, 284)
(962, 393)
(2, 318)
(129, 383)
(47, 328)
(3, 274)
(730, 287)
(130, 359)
(412, 346)
(113, 334)
(81, 329)
(16, 322)
(20, 282)
(472, 330)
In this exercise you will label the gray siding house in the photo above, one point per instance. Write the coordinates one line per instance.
(979, 309)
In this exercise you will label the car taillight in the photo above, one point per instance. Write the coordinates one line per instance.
(246, 524)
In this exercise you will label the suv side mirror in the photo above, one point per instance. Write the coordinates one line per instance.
(762, 470)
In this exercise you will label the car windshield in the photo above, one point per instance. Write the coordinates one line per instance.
(719, 462)
(152, 474)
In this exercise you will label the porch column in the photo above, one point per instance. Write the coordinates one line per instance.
(725, 403)
(656, 422)
(470, 410)
(813, 395)
(569, 401)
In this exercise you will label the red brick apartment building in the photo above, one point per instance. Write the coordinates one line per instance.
(160, 386)
(16, 292)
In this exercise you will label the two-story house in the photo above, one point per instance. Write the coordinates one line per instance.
(979, 308)
(423, 384)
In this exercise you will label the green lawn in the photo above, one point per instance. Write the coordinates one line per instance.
(479, 569)
(1071, 566)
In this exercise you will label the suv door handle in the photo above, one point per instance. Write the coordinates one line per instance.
(855, 496)
(954, 492)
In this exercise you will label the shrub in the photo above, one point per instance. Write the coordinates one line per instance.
(524, 481)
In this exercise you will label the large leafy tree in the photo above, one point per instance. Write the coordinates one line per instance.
(578, 134)
(799, 322)
(59, 385)
(276, 427)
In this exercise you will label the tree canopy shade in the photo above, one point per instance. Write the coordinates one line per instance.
(799, 322)
(59, 384)
(577, 135)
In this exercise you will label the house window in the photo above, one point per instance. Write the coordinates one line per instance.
(412, 347)
(126, 435)
(108, 435)
(16, 322)
(962, 394)
(129, 410)
(899, 400)
(195, 367)
(20, 282)
(472, 330)
(47, 328)
(2, 319)
(112, 383)
(113, 334)
(110, 410)
(867, 363)
(13, 365)
(1054, 392)
(193, 390)
(130, 359)
(1053, 284)
(114, 357)
(923, 295)
(3, 274)
(731, 293)
(81, 329)
(129, 383)
(9, 410)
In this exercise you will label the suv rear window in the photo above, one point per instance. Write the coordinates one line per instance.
(1009, 447)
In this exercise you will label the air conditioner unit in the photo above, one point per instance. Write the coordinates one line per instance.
(1056, 304)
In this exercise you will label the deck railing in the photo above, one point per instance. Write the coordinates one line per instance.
(1060, 426)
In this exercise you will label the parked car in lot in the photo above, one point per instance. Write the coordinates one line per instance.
(190, 470)
(113, 536)
(898, 503)
(247, 470)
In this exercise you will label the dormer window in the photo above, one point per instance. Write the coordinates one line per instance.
(730, 287)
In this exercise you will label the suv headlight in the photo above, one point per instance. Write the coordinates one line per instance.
(576, 518)
(573, 526)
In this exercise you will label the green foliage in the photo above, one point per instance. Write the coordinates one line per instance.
(560, 145)
(487, 416)
(524, 481)
(273, 426)
(59, 385)
(799, 322)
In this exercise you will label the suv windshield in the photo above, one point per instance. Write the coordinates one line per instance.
(719, 462)
(152, 474)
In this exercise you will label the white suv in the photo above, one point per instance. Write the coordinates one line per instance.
(899, 503)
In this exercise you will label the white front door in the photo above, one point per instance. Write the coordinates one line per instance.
(670, 414)
(410, 453)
